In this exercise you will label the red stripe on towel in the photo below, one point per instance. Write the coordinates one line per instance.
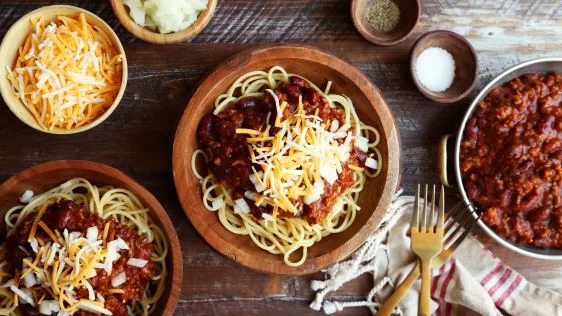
(437, 278)
(509, 290)
(500, 282)
(492, 273)
(448, 279)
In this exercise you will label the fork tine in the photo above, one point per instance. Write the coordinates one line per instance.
(430, 225)
(462, 221)
(455, 243)
(441, 216)
(416, 215)
(423, 225)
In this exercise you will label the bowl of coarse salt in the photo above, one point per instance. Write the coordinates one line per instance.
(444, 66)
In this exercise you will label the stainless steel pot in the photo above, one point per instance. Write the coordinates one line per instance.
(542, 65)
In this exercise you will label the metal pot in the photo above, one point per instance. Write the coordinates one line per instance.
(542, 65)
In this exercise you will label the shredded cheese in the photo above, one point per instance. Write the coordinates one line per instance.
(296, 160)
(68, 72)
(66, 263)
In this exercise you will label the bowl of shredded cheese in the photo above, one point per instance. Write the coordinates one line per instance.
(164, 21)
(63, 69)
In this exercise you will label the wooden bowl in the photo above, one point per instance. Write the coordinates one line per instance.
(15, 37)
(319, 67)
(466, 65)
(45, 176)
(145, 34)
(410, 11)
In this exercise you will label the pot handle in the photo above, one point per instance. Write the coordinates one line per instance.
(442, 163)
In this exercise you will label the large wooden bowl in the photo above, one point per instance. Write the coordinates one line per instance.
(320, 68)
(45, 176)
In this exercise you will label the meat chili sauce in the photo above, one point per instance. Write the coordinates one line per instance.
(230, 161)
(511, 160)
(66, 214)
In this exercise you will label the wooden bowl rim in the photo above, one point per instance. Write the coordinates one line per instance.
(311, 265)
(176, 268)
(423, 90)
(5, 88)
(356, 17)
(157, 38)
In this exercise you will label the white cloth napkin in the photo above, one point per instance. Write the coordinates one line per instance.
(473, 282)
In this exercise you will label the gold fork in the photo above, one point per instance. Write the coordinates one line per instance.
(460, 223)
(427, 241)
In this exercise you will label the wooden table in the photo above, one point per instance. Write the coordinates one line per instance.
(138, 137)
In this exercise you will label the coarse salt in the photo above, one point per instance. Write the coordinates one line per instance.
(435, 69)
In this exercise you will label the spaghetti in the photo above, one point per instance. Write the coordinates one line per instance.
(286, 161)
(79, 248)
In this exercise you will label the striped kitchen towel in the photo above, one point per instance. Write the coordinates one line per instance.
(473, 282)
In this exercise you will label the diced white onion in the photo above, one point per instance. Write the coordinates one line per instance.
(339, 135)
(34, 245)
(121, 244)
(92, 234)
(256, 183)
(29, 280)
(328, 173)
(119, 279)
(362, 143)
(241, 206)
(334, 126)
(45, 308)
(24, 296)
(90, 307)
(135, 262)
(317, 191)
(371, 163)
(217, 204)
(251, 195)
(26, 196)
(267, 217)
(344, 128)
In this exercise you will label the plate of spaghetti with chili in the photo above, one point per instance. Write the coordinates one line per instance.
(84, 239)
(283, 157)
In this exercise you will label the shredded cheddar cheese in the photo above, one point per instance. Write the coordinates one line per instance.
(67, 72)
(297, 160)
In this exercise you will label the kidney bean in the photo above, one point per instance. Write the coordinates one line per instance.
(313, 97)
(247, 103)
(293, 92)
(298, 81)
(206, 129)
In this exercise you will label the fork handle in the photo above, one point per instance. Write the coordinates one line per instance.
(425, 309)
(396, 297)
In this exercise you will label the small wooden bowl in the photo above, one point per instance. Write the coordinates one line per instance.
(410, 11)
(16, 36)
(466, 64)
(320, 68)
(145, 34)
(45, 176)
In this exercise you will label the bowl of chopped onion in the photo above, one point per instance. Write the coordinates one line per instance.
(164, 21)
(63, 71)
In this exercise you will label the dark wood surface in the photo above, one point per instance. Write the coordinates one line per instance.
(138, 137)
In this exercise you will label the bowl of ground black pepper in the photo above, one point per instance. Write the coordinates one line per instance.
(385, 22)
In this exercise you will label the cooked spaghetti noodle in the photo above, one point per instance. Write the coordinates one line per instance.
(59, 267)
(306, 160)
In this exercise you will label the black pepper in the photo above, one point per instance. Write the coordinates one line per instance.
(383, 15)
